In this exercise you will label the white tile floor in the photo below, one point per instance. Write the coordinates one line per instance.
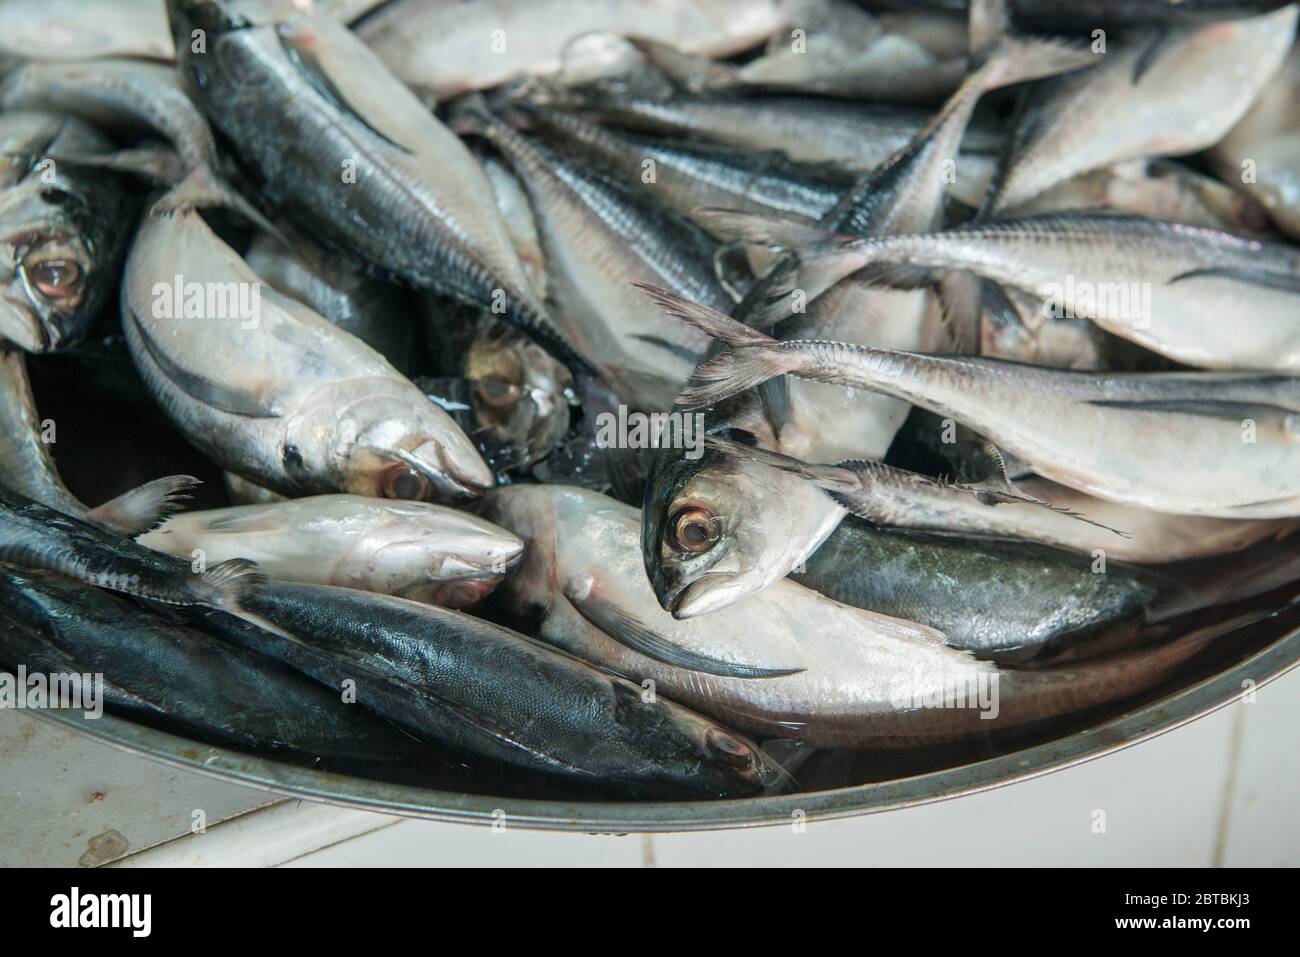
(1222, 790)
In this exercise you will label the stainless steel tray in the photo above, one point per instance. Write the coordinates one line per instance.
(1158, 717)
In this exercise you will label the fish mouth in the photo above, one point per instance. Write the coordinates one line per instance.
(452, 475)
(20, 326)
(709, 592)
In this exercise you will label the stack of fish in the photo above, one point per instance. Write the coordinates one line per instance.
(641, 395)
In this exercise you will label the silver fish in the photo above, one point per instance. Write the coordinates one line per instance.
(61, 233)
(1173, 93)
(1164, 286)
(414, 550)
(1033, 510)
(600, 237)
(787, 662)
(267, 388)
(444, 50)
(1123, 437)
(85, 29)
(355, 158)
(1261, 153)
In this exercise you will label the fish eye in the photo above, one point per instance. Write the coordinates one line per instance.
(55, 278)
(402, 481)
(693, 529)
(496, 393)
(728, 748)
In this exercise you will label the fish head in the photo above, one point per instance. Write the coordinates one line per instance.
(520, 394)
(48, 274)
(711, 530)
(439, 555)
(713, 759)
(381, 437)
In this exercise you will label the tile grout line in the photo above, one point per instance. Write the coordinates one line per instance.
(647, 850)
(1229, 785)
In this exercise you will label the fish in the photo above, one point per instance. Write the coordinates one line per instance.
(1158, 189)
(443, 51)
(63, 232)
(855, 137)
(460, 682)
(517, 211)
(1260, 154)
(268, 389)
(337, 289)
(599, 237)
(167, 675)
(132, 96)
(85, 29)
(685, 175)
(27, 466)
(509, 394)
(1171, 93)
(1122, 436)
(811, 419)
(37, 537)
(350, 156)
(414, 550)
(788, 662)
(1165, 286)
(1032, 509)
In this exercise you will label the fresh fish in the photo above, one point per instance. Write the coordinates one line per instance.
(457, 681)
(685, 176)
(1001, 600)
(267, 388)
(601, 236)
(1166, 286)
(414, 550)
(810, 419)
(85, 29)
(855, 137)
(1157, 189)
(135, 96)
(27, 467)
(510, 395)
(165, 674)
(1261, 153)
(788, 662)
(512, 200)
(1123, 436)
(376, 312)
(443, 50)
(1033, 510)
(718, 529)
(63, 231)
(349, 155)
(1172, 93)
(838, 50)
(34, 536)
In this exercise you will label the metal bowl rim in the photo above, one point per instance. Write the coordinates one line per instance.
(1115, 734)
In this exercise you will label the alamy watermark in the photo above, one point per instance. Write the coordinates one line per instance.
(922, 689)
(66, 690)
(653, 430)
(1080, 299)
(179, 299)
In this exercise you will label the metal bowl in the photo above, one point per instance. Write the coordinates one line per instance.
(1165, 714)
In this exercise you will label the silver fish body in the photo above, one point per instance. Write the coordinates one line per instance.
(414, 550)
(786, 663)
(267, 388)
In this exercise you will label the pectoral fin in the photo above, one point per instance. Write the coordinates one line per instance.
(634, 634)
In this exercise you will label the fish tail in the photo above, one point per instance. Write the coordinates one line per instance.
(142, 509)
(752, 357)
(225, 585)
(1012, 59)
